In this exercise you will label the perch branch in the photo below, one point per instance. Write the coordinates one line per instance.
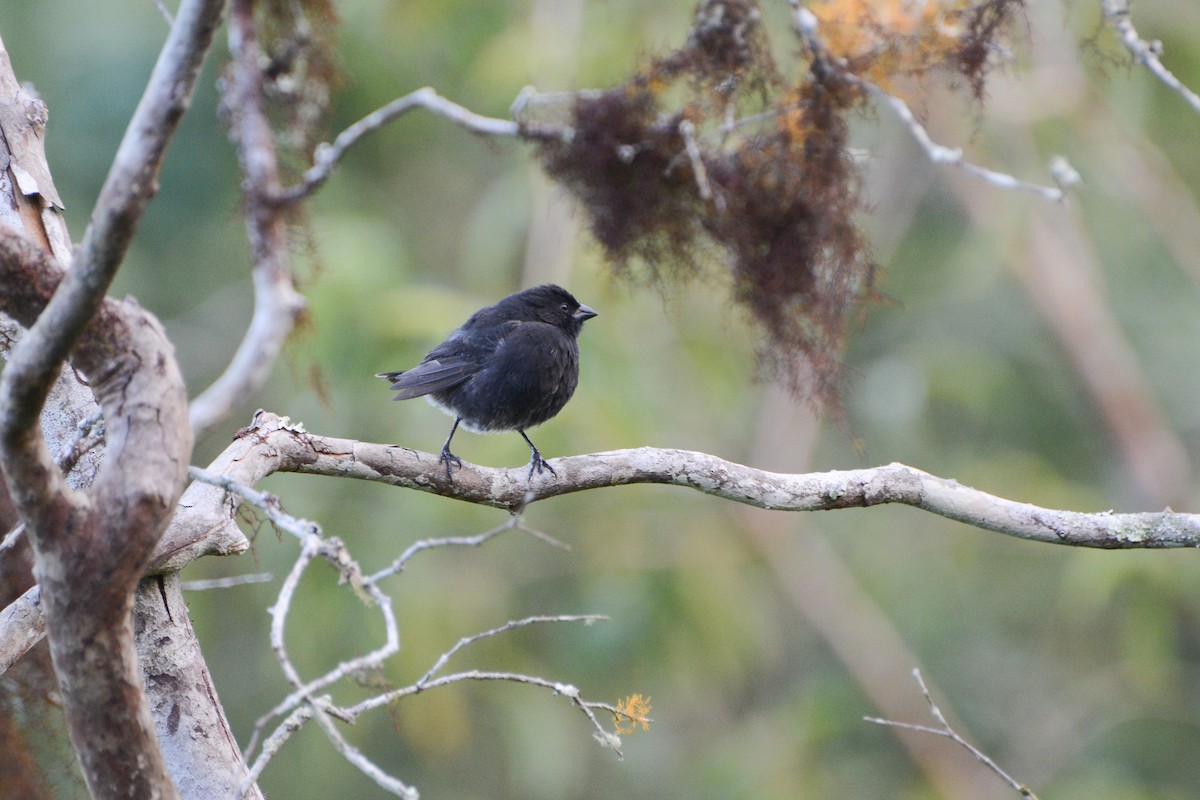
(275, 444)
(289, 448)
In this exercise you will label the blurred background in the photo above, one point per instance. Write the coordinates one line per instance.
(1040, 352)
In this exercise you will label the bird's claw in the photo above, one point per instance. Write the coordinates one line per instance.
(537, 462)
(447, 458)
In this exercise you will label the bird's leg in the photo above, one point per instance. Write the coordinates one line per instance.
(447, 456)
(535, 460)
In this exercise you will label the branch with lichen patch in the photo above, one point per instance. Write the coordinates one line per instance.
(275, 444)
(290, 448)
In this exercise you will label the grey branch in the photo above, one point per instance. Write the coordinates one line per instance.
(275, 444)
(944, 729)
(96, 544)
(513, 522)
(313, 545)
(277, 303)
(327, 156)
(953, 156)
(282, 446)
(1144, 52)
(806, 26)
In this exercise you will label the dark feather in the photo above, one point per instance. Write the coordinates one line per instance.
(430, 376)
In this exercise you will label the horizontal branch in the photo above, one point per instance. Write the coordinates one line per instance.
(296, 450)
(205, 526)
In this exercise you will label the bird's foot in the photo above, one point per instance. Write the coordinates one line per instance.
(537, 462)
(447, 458)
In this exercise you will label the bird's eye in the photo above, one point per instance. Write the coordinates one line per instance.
(565, 307)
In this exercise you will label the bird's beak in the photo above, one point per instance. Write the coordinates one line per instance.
(584, 313)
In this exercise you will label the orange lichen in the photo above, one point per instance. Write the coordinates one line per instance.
(631, 712)
(882, 40)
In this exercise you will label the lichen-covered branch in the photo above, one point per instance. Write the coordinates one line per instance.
(274, 444)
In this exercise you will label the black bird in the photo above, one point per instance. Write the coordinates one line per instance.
(509, 367)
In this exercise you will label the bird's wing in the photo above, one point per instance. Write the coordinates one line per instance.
(432, 375)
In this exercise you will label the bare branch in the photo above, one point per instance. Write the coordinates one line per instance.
(1144, 52)
(286, 447)
(268, 504)
(21, 627)
(166, 12)
(327, 156)
(807, 26)
(588, 708)
(397, 566)
(943, 729)
(93, 549)
(227, 583)
(357, 758)
(275, 444)
(313, 546)
(271, 746)
(277, 304)
(1062, 171)
(505, 628)
(687, 129)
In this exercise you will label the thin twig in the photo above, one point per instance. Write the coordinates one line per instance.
(953, 156)
(807, 25)
(389, 783)
(1144, 52)
(327, 156)
(265, 502)
(944, 730)
(166, 12)
(505, 628)
(372, 660)
(226, 583)
(588, 708)
(687, 129)
(271, 746)
(514, 521)
(12, 537)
